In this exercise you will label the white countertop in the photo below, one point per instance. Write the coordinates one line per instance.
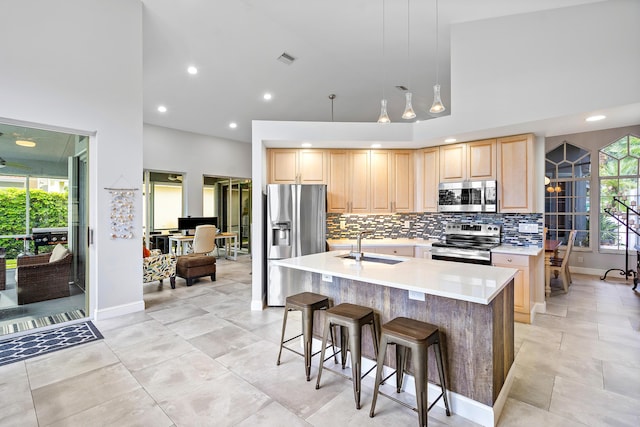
(466, 282)
(347, 243)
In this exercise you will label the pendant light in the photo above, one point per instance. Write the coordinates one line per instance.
(384, 117)
(437, 106)
(408, 108)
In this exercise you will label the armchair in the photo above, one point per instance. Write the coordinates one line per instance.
(159, 266)
(37, 279)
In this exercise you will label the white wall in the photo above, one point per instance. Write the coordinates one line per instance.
(77, 64)
(515, 70)
(194, 155)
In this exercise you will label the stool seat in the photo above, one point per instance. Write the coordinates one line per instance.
(417, 337)
(351, 318)
(411, 330)
(308, 303)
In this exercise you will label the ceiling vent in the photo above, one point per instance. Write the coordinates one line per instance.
(285, 58)
(402, 88)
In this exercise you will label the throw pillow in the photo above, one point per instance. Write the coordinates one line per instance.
(145, 252)
(58, 253)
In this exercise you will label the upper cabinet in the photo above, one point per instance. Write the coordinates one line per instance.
(516, 190)
(469, 161)
(376, 181)
(297, 166)
(429, 159)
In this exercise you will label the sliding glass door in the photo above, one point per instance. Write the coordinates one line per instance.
(43, 227)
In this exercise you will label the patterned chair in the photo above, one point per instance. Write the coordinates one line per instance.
(159, 266)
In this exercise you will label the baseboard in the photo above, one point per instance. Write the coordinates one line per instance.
(538, 307)
(119, 310)
(589, 271)
(257, 305)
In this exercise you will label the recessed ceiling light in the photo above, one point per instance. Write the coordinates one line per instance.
(450, 140)
(233, 125)
(162, 108)
(306, 144)
(376, 145)
(24, 143)
(267, 96)
(595, 118)
(192, 70)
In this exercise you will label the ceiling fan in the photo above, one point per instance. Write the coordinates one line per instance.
(4, 163)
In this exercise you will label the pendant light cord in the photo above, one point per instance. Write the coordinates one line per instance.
(409, 45)
(437, 46)
(384, 69)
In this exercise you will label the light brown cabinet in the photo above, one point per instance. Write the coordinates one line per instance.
(364, 181)
(522, 295)
(468, 161)
(430, 163)
(348, 184)
(297, 166)
(516, 189)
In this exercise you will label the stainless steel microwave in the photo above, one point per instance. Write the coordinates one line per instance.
(467, 196)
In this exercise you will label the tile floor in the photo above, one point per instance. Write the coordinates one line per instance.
(199, 357)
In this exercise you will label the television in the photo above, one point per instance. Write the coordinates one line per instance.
(189, 224)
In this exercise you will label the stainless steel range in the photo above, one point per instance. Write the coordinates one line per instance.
(471, 243)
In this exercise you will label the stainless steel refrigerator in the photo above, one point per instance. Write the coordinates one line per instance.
(296, 226)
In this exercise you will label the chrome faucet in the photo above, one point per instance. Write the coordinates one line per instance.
(358, 255)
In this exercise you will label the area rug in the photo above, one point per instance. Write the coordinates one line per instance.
(41, 321)
(39, 343)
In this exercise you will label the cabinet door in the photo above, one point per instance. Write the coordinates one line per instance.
(381, 179)
(515, 183)
(521, 292)
(481, 159)
(402, 181)
(338, 181)
(283, 166)
(453, 162)
(360, 190)
(312, 166)
(430, 179)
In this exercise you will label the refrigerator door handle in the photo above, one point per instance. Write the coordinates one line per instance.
(297, 196)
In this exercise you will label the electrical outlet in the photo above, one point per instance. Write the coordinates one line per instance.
(418, 296)
(343, 224)
(528, 228)
(580, 259)
(407, 224)
(327, 278)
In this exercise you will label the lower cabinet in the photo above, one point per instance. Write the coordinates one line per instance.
(522, 294)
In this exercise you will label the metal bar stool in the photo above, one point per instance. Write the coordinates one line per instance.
(351, 318)
(416, 336)
(307, 303)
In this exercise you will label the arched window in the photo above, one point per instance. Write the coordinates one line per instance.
(619, 174)
(567, 195)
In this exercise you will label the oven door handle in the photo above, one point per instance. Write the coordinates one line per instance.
(455, 253)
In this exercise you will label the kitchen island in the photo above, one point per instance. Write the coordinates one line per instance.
(471, 304)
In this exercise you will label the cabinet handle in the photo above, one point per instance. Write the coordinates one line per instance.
(509, 260)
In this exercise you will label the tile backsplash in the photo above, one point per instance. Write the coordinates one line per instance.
(424, 225)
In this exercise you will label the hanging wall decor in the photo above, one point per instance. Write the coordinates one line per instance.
(121, 212)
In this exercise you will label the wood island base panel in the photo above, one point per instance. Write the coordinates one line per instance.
(478, 339)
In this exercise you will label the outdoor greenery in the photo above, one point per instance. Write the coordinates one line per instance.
(46, 210)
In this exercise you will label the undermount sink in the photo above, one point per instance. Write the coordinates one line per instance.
(369, 258)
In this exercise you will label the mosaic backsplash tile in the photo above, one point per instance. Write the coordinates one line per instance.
(425, 225)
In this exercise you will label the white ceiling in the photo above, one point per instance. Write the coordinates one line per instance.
(338, 49)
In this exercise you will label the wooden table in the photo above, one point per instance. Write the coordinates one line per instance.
(550, 250)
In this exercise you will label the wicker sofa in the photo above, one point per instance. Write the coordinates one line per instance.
(159, 266)
(41, 280)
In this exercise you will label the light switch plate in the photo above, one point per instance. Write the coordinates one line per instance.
(327, 278)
